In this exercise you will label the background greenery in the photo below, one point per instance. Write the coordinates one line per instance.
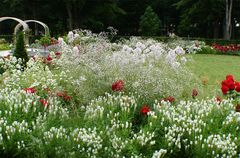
(193, 18)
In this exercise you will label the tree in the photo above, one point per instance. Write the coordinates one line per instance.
(20, 51)
(168, 14)
(74, 8)
(200, 17)
(228, 20)
(149, 23)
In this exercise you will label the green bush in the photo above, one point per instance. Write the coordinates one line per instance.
(45, 41)
(149, 23)
(4, 46)
(207, 50)
(20, 51)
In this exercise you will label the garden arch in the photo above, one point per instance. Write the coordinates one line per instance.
(46, 29)
(24, 24)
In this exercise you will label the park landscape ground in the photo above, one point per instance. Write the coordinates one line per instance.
(133, 98)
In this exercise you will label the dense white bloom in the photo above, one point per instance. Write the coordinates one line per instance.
(179, 50)
(76, 51)
(159, 154)
(70, 36)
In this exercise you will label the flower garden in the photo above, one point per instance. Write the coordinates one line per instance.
(133, 98)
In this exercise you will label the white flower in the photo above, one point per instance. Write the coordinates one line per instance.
(140, 45)
(179, 50)
(159, 154)
(76, 51)
(137, 50)
(60, 41)
(70, 36)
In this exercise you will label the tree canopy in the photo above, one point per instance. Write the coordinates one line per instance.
(195, 18)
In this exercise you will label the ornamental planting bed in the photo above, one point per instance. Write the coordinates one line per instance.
(133, 98)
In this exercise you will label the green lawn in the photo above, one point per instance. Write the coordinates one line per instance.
(212, 69)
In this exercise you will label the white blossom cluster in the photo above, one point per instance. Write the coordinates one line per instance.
(221, 145)
(188, 125)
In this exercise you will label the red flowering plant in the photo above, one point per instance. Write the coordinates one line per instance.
(140, 117)
(194, 93)
(44, 102)
(226, 48)
(145, 109)
(118, 85)
(170, 99)
(64, 96)
(231, 89)
(30, 90)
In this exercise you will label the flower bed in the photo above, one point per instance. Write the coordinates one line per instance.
(93, 98)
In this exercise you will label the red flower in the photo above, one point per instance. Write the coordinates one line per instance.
(194, 93)
(49, 58)
(60, 94)
(64, 96)
(118, 85)
(237, 84)
(145, 109)
(229, 82)
(44, 102)
(229, 77)
(58, 53)
(225, 83)
(224, 89)
(67, 98)
(170, 99)
(30, 90)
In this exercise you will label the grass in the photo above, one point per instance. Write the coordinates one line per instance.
(212, 69)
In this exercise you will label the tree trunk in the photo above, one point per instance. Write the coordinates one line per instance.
(70, 16)
(76, 17)
(216, 29)
(228, 20)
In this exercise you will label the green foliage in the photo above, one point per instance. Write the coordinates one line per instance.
(149, 23)
(20, 51)
(207, 50)
(45, 41)
(4, 46)
(200, 17)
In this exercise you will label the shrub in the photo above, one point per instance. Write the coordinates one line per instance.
(149, 23)
(45, 41)
(20, 51)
